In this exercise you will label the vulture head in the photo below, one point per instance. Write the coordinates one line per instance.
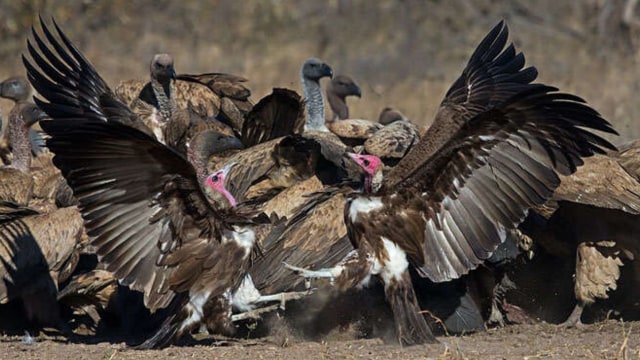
(389, 115)
(31, 114)
(216, 181)
(314, 69)
(162, 68)
(338, 89)
(343, 86)
(371, 165)
(16, 88)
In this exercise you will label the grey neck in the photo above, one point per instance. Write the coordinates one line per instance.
(314, 105)
(165, 96)
(19, 137)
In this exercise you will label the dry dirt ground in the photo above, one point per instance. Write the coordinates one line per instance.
(605, 340)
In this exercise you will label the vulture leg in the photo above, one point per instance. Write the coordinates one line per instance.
(411, 327)
(574, 320)
(254, 314)
(496, 317)
(281, 297)
(284, 297)
(329, 273)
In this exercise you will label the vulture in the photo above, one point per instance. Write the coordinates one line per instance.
(390, 138)
(27, 178)
(352, 132)
(314, 236)
(160, 226)
(156, 104)
(594, 218)
(313, 69)
(338, 89)
(17, 88)
(493, 151)
(38, 252)
(17, 179)
(217, 97)
(395, 139)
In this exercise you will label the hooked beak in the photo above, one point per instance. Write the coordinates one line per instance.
(172, 73)
(227, 168)
(327, 71)
(357, 92)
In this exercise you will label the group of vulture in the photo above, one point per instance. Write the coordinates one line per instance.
(177, 205)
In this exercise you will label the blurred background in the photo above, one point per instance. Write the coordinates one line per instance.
(402, 53)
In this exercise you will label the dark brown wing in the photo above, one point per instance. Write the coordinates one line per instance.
(492, 75)
(72, 86)
(315, 237)
(485, 178)
(141, 203)
(278, 114)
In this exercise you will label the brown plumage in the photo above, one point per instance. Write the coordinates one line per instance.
(493, 151)
(37, 253)
(209, 96)
(92, 293)
(393, 142)
(352, 132)
(338, 89)
(147, 214)
(593, 216)
(17, 132)
(17, 179)
(156, 105)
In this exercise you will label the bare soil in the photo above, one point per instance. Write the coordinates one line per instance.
(606, 340)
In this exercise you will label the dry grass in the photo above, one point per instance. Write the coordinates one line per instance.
(403, 53)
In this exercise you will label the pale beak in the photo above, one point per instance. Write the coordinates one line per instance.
(227, 168)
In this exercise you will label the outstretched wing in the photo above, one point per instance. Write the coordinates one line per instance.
(70, 84)
(492, 75)
(143, 208)
(453, 212)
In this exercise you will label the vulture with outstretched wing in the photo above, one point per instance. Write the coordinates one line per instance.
(157, 223)
(494, 150)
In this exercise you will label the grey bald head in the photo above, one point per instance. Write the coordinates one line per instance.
(314, 69)
(390, 115)
(162, 68)
(16, 88)
(343, 86)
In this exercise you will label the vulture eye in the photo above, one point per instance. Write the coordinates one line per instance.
(215, 178)
(366, 162)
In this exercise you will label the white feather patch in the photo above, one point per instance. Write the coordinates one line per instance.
(363, 205)
(195, 308)
(397, 263)
(243, 236)
(246, 295)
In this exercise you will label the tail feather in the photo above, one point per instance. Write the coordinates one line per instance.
(411, 327)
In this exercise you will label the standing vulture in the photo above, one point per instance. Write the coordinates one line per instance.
(494, 150)
(594, 217)
(160, 226)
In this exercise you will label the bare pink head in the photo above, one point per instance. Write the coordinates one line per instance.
(370, 164)
(216, 182)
